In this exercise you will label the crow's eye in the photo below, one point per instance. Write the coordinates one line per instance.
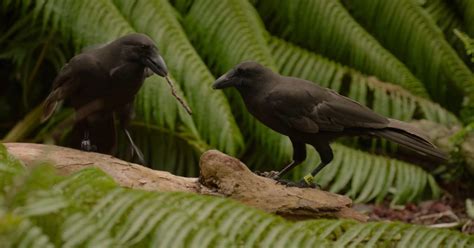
(144, 46)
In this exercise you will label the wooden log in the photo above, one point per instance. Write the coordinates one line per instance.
(221, 175)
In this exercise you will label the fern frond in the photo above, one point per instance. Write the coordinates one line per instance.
(444, 15)
(468, 43)
(466, 8)
(448, 19)
(382, 234)
(325, 27)
(16, 231)
(407, 31)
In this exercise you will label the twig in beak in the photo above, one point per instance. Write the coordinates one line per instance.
(180, 100)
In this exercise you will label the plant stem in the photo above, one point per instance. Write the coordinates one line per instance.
(24, 127)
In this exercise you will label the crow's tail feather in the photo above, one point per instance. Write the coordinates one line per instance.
(411, 138)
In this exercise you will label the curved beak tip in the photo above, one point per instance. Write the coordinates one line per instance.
(222, 82)
(157, 65)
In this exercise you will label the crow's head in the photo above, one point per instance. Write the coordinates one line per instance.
(246, 75)
(140, 48)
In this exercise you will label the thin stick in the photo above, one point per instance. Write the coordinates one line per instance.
(180, 100)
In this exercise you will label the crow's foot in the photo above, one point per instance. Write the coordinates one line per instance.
(87, 146)
(268, 174)
(300, 184)
(136, 152)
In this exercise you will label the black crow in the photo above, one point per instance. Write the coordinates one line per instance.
(103, 81)
(311, 114)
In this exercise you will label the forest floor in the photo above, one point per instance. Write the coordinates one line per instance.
(447, 212)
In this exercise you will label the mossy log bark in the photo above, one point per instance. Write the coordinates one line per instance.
(221, 176)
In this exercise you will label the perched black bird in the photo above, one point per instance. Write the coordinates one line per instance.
(310, 114)
(101, 81)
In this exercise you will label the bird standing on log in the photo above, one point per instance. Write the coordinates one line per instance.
(310, 114)
(101, 81)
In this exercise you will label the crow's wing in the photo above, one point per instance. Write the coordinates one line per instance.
(309, 108)
(81, 71)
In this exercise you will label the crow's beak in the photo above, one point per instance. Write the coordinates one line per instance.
(156, 63)
(222, 82)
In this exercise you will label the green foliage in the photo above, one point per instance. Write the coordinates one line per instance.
(444, 15)
(384, 234)
(88, 209)
(404, 29)
(466, 8)
(339, 37)
(468, 43)
(9, 167)
(205, 39)
(33, 55)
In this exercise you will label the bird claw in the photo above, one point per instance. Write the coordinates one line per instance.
(87, 146)
(268, 174)
(274, 175)
(136, 152)
(300, 184)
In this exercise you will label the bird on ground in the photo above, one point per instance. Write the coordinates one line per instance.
(314, 115)
(100, 82)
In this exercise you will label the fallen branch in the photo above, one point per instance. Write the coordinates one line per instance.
(221, 175)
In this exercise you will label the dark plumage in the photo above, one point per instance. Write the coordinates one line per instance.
(100, 82)
(310, 114)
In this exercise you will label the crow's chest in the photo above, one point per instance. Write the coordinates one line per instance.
(263, 112)
(128, 80)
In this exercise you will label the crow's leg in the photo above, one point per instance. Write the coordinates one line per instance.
(299, 155)
(326, 155)
(134, 149)
(125, 116)
(86, 144)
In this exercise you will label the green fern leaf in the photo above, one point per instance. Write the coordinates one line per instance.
(411, 35)
(448, 19)
(381, 234)
(325, 27)
(466, 8)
